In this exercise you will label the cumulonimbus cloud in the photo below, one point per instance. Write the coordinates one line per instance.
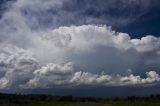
(20, 69)
(82, 55)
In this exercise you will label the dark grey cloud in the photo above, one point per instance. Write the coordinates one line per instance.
(116, 13)
(131, 16)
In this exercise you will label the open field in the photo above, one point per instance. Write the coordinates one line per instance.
(49, 100)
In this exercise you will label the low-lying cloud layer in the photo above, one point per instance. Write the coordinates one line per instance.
(33, 55)
(63, 75)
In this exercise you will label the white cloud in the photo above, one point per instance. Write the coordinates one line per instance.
(3, 83)
(16, 66)
(87, 36)
(86, 78)
(84, 47)
(52, 75)
(91, 47)
(19, 68)
(148, 43)
(152, 77)
(31, 57)
(66, 76)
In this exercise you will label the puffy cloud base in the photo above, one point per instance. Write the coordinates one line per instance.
(64, 75)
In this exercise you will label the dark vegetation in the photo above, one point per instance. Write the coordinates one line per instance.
(50, 100)
(152, 100)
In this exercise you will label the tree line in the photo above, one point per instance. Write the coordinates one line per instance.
(69, 98)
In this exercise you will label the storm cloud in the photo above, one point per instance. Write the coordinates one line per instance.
(96, 50)
(48, 45)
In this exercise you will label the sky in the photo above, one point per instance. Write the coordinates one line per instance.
(101, 48)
